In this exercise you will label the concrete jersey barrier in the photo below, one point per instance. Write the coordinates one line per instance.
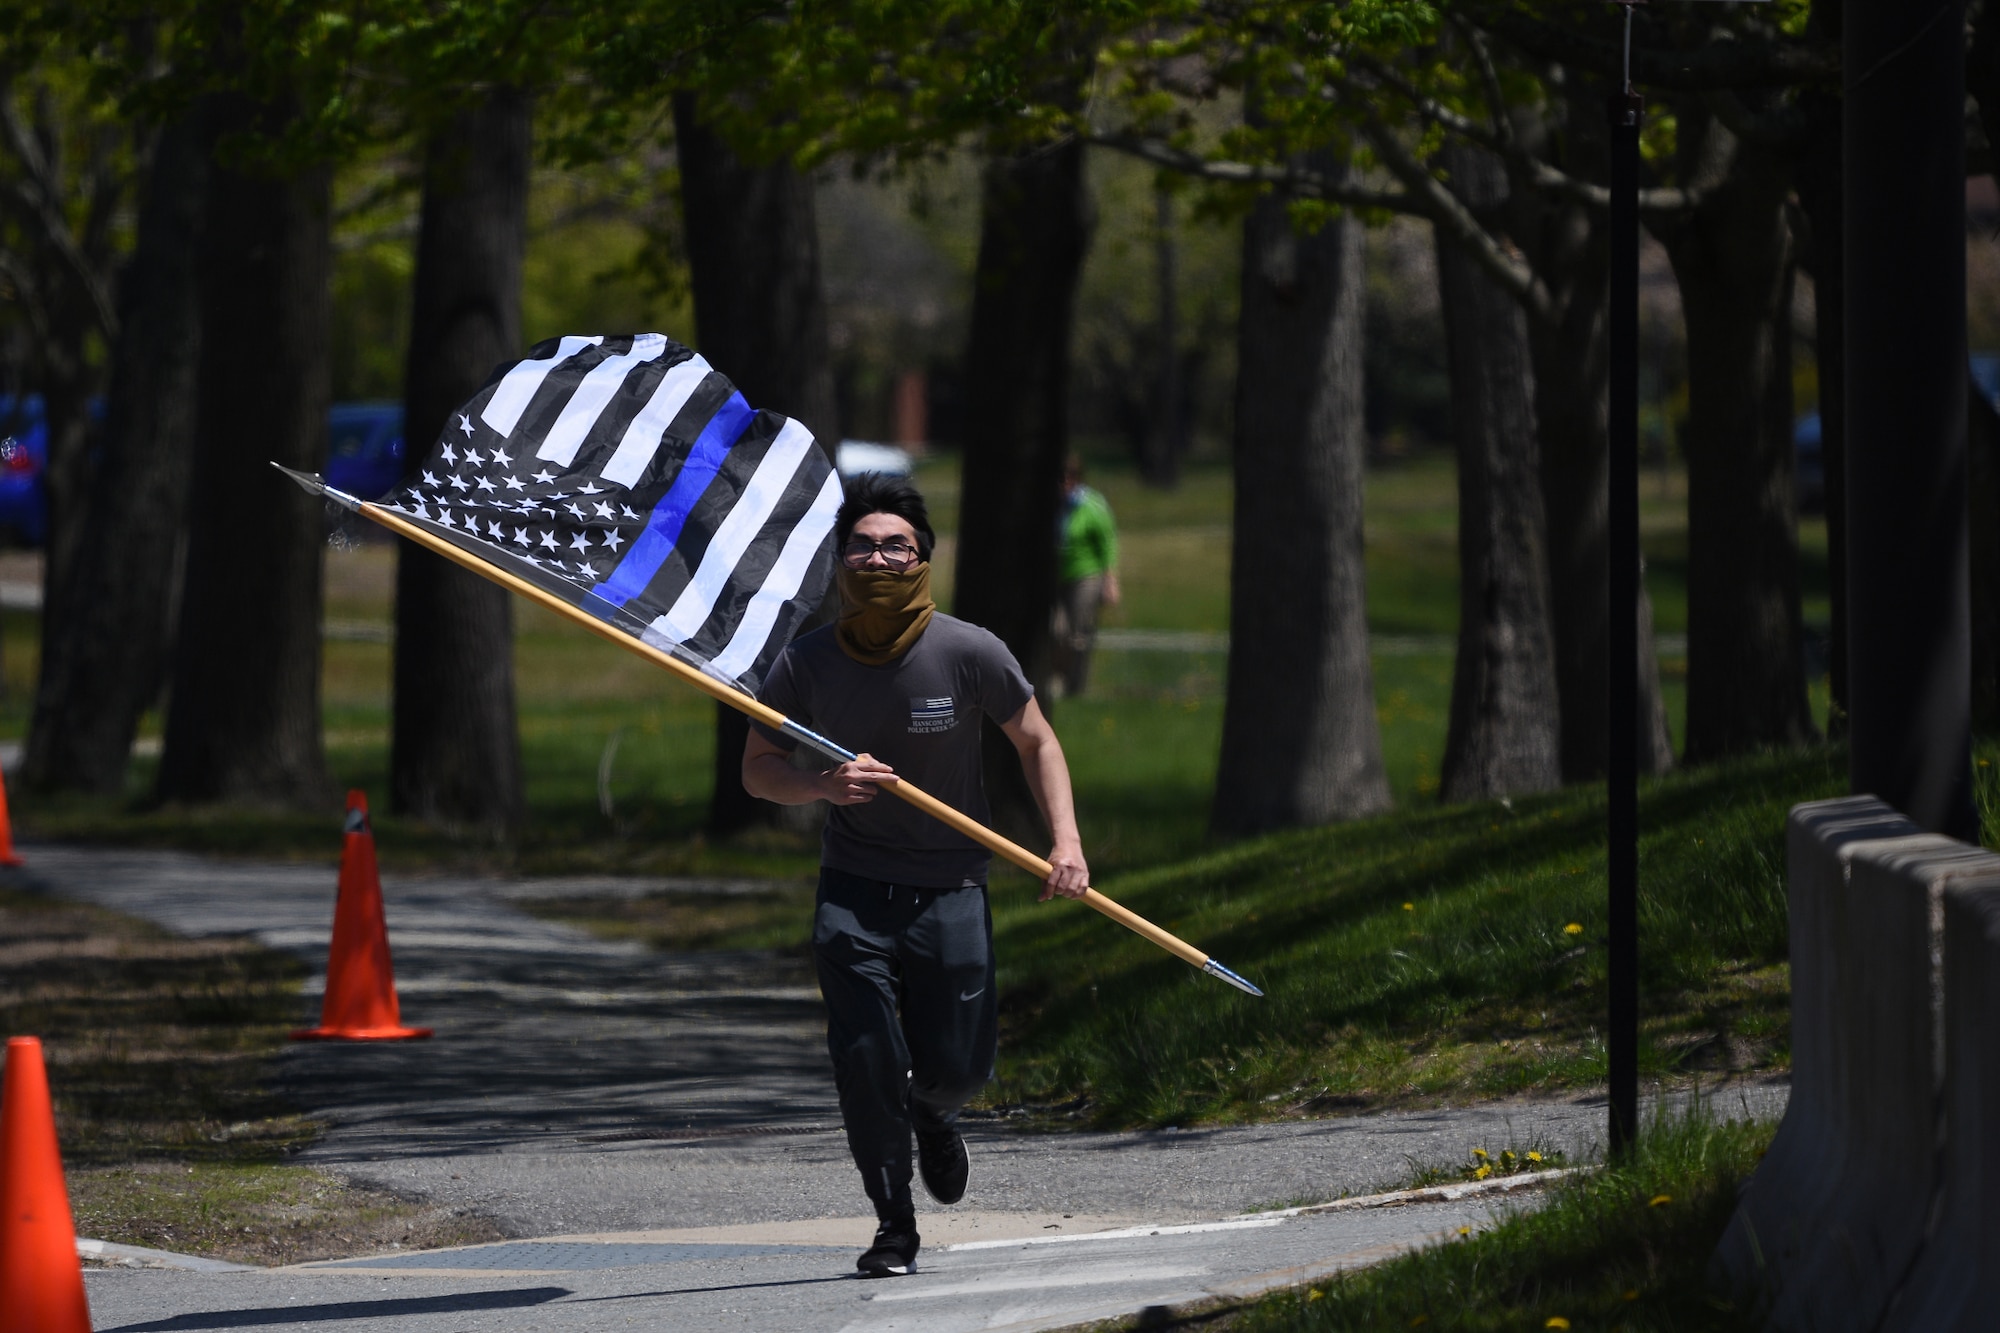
(1830, 1233)
(1955, 1285)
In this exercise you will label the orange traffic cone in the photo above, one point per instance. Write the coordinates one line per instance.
(360, 1002)
(41, 1282)
(7, 856)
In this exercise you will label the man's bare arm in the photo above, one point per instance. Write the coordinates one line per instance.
(1048, 778)
(768, 773)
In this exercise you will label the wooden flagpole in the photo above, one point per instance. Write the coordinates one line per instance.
(777, 721)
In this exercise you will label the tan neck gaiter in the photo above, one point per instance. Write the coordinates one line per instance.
(883, 611)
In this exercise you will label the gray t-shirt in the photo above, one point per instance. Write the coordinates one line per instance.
(918, 714)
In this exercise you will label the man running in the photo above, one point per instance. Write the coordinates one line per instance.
(902, 937)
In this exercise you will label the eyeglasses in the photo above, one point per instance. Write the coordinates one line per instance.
(896, 553)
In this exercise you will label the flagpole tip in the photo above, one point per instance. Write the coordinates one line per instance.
(1215, 969)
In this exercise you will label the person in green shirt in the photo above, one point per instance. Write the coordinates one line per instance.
(1087, 575)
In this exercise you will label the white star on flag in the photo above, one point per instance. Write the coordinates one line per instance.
(450, 454)
(612, 538)
(544, 477)
(514, 483)
(579, 542)
(465, 424)
(472, 457)
(603, 509)
(521, 537)
(501, 458)
(484, 484)
(549, 540)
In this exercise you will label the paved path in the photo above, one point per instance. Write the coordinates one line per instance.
(640, 1282)
(683, 1102)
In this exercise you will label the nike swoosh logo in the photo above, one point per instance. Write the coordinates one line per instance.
(972, 995)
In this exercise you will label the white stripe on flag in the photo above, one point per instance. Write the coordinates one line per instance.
(767, 486)
(580, 413)
(642, 437)
(781, 585)
(511, 398)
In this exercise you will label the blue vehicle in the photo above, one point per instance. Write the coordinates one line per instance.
(24, 457)
(364, 448)
(1809, 460)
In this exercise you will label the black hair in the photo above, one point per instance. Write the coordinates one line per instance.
(880, 493)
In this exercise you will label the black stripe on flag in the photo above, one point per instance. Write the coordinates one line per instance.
(755, 563)
(738, 466)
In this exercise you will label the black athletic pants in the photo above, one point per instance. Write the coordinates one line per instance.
(911, 1025)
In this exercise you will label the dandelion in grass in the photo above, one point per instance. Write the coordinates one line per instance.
(1314, 1294)
(1409, 907)
(1534, 1156)
(1573, 928)
(1465, 1231)
(1556, 1321)
(1660, 1200)
(1631, 1293)
(1479, 1152)
(1482, 1172)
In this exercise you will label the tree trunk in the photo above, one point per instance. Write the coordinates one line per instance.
(1505, 730)
(1982, 475)
(103, 662)
(1746, 654)
(1570, 251)
(1300, 743)
(66, 484)
(1034, 232)
(243, 722)
(1166, 433)
(455, 754)
(1909, 614)
(760, 310)
(1035, 227)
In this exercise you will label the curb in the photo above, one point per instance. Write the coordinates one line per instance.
(1527, 1180)
(138, 1256)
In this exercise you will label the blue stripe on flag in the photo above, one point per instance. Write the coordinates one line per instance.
(663, 529)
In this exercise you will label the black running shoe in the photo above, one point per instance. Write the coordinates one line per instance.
(942, 1163)
(893, 1253)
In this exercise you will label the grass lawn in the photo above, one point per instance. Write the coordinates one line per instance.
(1142, 743)
(1438, 955)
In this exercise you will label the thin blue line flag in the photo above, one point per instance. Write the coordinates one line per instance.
(627, 477)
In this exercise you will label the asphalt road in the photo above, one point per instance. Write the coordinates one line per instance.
(679, 1110)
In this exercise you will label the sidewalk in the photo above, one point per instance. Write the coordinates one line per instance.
(679, 1111)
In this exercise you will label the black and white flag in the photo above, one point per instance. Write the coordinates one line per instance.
(628, 478)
